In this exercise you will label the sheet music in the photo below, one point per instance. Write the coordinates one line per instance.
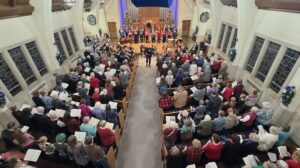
(193, 89)
(113, 105)
(63, 95)
(158, 80)
(88, 78)
(75, 113)
(283, 151)
(94, 121)
(250, 161)
(234, 83)
(80, 136)
(76, 94)
(170, 118)
(102, 67)
(54, 93)
(109, 125)
(75, 103)
(87, 69)
(34, 110)
(24, 129)
(64, 85)
(241, 138)
(87, 85)
(113, 83)
(32, 155)
(214, 79)
(272, 156)
(25, 106)
(60, 113)
(103, 106)
(211, 165)
(194, 77)
(191, 166)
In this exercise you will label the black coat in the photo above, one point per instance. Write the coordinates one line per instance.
(38, 101)
(176, 161)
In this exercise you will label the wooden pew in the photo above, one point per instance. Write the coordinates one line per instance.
(111, 158)
(121, 119)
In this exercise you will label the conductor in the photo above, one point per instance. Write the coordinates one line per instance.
(148, 53)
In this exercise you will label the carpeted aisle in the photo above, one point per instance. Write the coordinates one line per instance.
(141, 140)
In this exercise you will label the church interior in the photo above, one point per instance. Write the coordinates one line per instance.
(149, 83)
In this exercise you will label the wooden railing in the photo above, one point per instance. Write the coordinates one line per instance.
(282, 5)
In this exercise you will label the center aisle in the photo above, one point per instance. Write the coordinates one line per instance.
(141, 139)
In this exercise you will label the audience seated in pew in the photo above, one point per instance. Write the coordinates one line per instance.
(220, 115)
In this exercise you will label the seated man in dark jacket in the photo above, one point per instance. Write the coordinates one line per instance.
(40, 121)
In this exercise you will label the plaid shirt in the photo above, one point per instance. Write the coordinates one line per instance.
(193, 155)
(166, 102)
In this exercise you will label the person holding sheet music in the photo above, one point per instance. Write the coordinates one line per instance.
(76, 151)
(111, 115)
(40, 121)
(88, 128)
(72, 124)
(83, 92)
(24, 140)
(106, 135)
(99, 112)
(105, 97)
(85, 109)
(118, 91)
(213, 148)
(61, 146)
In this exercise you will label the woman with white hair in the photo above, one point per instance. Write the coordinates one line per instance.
(264, 115)
(205, 126)
(170, 78)
(98, 111)
(267, 140)
(247, 119)
(170, 133)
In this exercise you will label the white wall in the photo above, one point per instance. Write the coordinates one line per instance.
(203, 27)
(185, 12)
(112, 13)
(275, 26)
(40, 28)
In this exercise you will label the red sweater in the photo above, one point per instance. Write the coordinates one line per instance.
(293, 163)
(213, 151)
(217, 65)
(250, 122)
(106, 135)
(95, 82)
(227, 93)
(96, 97)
